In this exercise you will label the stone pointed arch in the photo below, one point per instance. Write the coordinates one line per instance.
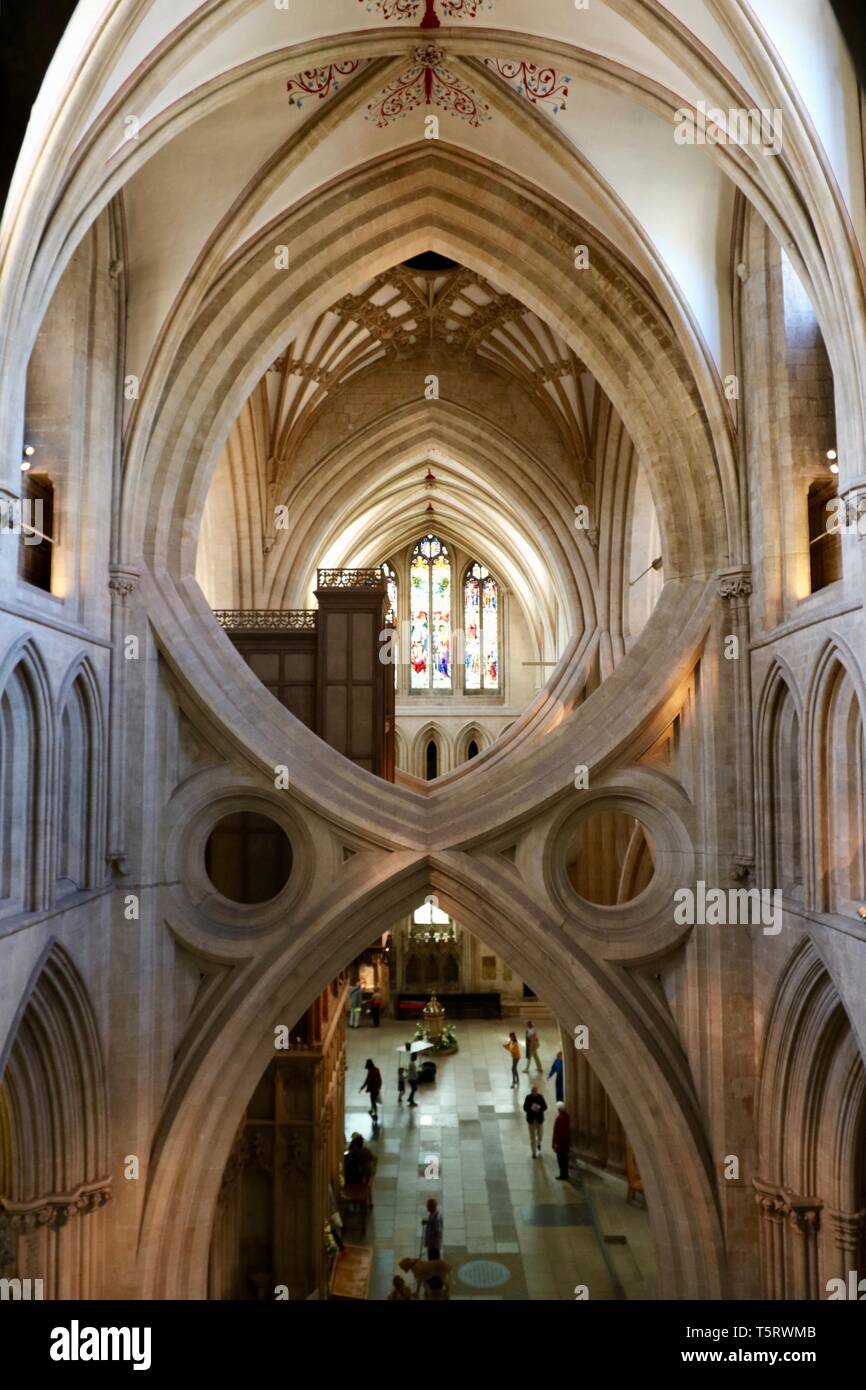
(469, 209)
(26, 753)
(55, 1108)
(80, 783)
(351, 236)
(836, 780)
(780, 800)
(431, 732)
(811, 1108)
(473, 732)
(401, 755)
(237, 1044)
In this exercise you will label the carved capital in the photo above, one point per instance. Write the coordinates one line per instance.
(122, 583)
(852, 512)
(770, 1200)
(742, 867)
(736, 584)
(55, 1211)
(803, 1213)
(116, 859)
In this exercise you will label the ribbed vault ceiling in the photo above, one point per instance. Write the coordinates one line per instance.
(398, 314)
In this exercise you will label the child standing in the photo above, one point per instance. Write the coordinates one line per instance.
(401, 1083)
(513, 1048)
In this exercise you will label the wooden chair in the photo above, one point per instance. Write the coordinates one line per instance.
(356, 1203)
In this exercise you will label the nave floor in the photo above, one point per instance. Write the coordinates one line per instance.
(511, 1230)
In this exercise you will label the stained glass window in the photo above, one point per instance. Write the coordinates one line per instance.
(430, 611)
(481, 629)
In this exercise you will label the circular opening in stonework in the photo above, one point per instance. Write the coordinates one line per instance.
(248, 857)
(611, 859)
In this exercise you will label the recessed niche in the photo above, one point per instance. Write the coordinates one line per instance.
(611, 859)
(248, 857)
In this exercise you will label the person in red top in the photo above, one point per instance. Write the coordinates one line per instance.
(373, 1085)
(562, 1140)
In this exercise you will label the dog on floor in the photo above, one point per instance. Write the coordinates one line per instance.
(425, 1270)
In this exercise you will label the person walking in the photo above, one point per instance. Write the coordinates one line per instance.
(375, 1007)
(513, 1048)
(534, 1107)
(532, 1047)
(562, 1140)
(433, 1227)
(373, 1085)
(401, 1082)
(556, 1070)
(412, 1078)
(355, 1001)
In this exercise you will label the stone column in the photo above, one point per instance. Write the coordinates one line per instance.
(772, 1243)
(735, 590)
(10, 510)
(122, 583)
(847, 1230)
(804, 1218)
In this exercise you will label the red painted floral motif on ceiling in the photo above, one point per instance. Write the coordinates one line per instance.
(319, 82)
(429, 10)
(428, 83)
(535, 83)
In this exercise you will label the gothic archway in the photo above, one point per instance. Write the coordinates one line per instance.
(190, 1155)
(54, 1113)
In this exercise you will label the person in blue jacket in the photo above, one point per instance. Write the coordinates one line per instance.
(556, 1070)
